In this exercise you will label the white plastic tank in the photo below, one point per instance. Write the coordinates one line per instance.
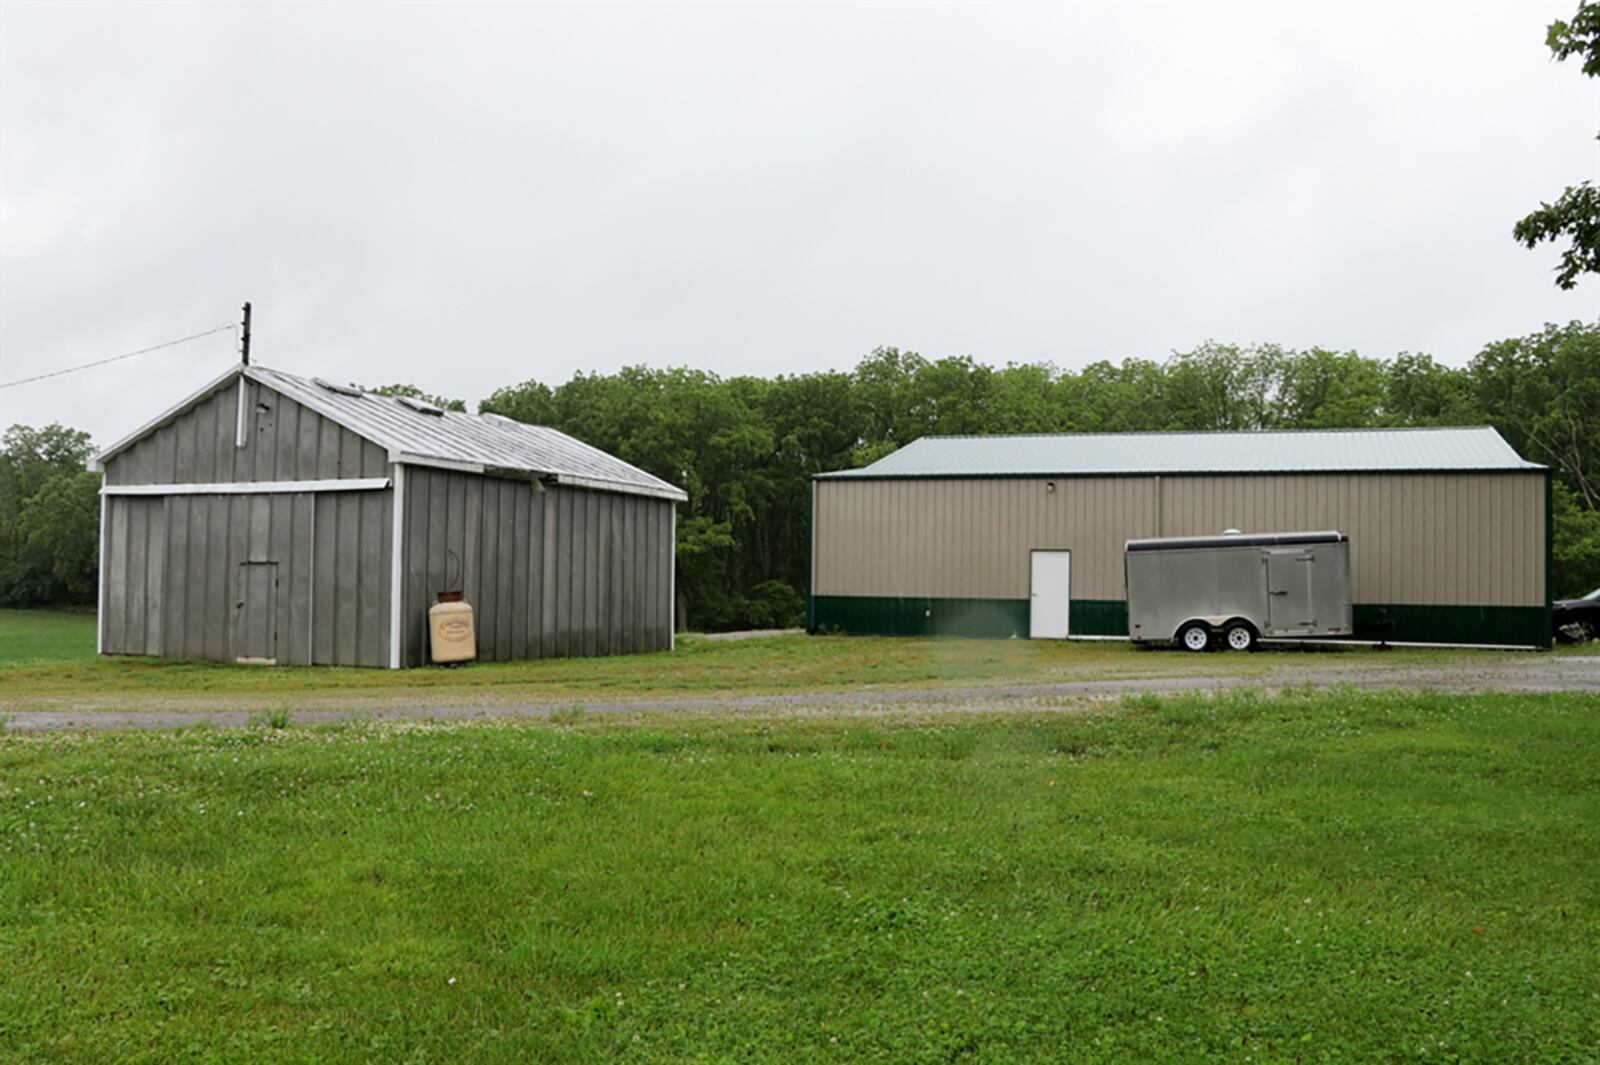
(451, 633)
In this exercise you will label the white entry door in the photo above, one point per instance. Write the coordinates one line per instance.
(1052, 585)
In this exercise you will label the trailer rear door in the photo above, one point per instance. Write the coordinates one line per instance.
(1290, 607)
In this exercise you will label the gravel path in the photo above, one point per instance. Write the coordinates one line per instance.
(1522, 673)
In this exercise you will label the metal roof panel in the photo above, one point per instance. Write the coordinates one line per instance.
(1273, 451)
(488, 441)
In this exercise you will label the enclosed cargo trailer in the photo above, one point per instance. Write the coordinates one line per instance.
(1232, 590)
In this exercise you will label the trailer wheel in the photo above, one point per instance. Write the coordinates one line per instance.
(1240, 637)
(1195, 636)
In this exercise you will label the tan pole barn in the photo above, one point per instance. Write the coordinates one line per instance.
(1449, 528)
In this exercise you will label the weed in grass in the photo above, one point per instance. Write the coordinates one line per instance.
(568, 715)
(278, 718)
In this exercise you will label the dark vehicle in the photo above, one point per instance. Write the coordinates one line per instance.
(1578, 620)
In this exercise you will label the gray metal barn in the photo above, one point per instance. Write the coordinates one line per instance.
(1449, 528)
(273, 518)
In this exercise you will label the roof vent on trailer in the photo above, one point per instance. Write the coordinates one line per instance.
(343, 390)
(1231, 532)
(421, 406)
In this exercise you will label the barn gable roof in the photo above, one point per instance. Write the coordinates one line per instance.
(1477, 449)
(419, 434)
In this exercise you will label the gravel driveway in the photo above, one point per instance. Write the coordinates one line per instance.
(1510, 673)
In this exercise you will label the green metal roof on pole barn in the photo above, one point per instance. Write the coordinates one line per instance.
(1295, 451)
(1449, 527)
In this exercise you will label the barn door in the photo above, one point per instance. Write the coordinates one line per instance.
(1289, 606)
(1050, 593)
(255, 613)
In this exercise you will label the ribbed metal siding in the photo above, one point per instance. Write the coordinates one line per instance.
(1448, 539)
(550, 571)
(284, 441)
(1470, 539)
(173, 566)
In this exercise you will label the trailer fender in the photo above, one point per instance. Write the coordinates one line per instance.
(1215, 621)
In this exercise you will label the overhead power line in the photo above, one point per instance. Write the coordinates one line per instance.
(119, 358)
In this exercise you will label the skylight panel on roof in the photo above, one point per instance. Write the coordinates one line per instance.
(421, 406)
(343, 390)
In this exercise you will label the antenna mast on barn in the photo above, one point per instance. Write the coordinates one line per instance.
(244, 337)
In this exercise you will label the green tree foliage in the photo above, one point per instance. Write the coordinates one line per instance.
(413, 392)
(49, 517)
(1579, 37)
(1575, 215)
(1543, 394)
(59, 539)
(1577, 544)
(744, 448)
(1418, 391)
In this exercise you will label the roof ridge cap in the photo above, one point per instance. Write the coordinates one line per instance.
(1351, 429)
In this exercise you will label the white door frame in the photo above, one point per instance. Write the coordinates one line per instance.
(1037, 627)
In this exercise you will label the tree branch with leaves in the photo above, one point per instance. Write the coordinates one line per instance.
(1575, 215)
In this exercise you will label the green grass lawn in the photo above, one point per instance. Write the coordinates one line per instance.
(1303, 878)
(37, 637)
(49, 659)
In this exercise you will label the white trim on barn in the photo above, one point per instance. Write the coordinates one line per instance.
(396, 556)
(246, 488)
(311, 587)
(411, 458)
(100, 578)
(672, 588)
(238, 430)
(572, 481)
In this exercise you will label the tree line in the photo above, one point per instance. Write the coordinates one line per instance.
(744, 448)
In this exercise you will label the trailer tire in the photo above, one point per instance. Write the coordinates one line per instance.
(1240, 636)
(1195, 636)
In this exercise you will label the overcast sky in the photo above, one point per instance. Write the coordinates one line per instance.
(464, 197)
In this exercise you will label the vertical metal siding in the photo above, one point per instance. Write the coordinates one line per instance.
(1468, 539)
(284, 441)
(550, 571)
(173, 565)
(548, 579)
